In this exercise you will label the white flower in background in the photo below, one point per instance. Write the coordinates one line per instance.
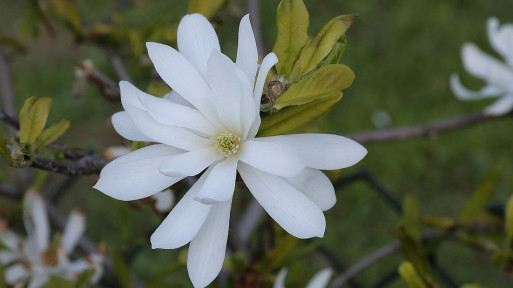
(34, 260)
(209, 121)
(497, 74)
(319, 280)
(164, 200)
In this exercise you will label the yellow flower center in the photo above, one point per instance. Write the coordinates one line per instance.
(227, 143)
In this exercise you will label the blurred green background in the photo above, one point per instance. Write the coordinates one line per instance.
(402, 53)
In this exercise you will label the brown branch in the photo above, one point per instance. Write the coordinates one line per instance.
(85, 165)
(429, 129)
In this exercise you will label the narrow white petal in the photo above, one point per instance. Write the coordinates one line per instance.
(479, 64)
(220, 185)
(7, 257)
(37, 280)
(322, 151)
(464, 94)
(36, 220)
(125, 127)
(15, 273)
(295, 213)
(321, 279)
(181, 75)
(169, 113)
(247, 54)
(9, 239)
(196, 39)
(75, 227)
(501, 39)
(189, 163)
(164, 200)
(316, 186)
(272, 157)
(207, 249)
(226, 90)
(267, 63)
(171, 135)
(279, 282)
(136, 175)
(184, 221)
(131, 95)
(502, 106)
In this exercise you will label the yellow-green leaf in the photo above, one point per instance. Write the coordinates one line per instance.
(51, 133)
(316, 86)
(411, 218)
(292, 21)
(3, 150)
(291, 118)
(58, 282)
(33, 116)
(477, 202)
(474, 285)
(410, 275)
(509, 221)
(320, 47)
(67, 12)
(206, 8)
(336, 52)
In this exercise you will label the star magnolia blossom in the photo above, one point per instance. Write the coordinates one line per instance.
(497, 74)
(34, 260)
(209, 121)
(319, 280)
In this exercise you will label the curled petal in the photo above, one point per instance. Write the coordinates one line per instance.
(316, 186)
(295, 213)
(267, 63)
(501, 38)
(501, 107)
(463, 93)
(136, 175)
(207, 249)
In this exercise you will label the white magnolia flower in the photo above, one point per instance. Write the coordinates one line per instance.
(164, 200)
(319, 280)
(498, 75)
(209, 121)
(34, 260)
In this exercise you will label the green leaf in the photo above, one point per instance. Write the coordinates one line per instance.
(411, 218)
(316, 51)
(68, 12)
(3, 150)
(51, 133)
(57, 282)
(336, 52)
(410, 275)
(474, 285)
(33, 116)
(290, 119)
(509, 222)
(84, 279)
(316, 86)
(477, 202)
(292, 21)
(206, 8)
(2, 277)
(415, 255)
(121, 269)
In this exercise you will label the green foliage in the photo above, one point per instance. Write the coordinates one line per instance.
(121, 269)
(410, 276)
(33, 116)
(474, 285)
(509, 222)
(3, 150)
(206, 8)
(68, 13)
(58, 282)
(292, 21)
(51, 133)
(275, 257)
(477, 202)
(291, 118)
(319, 85)
(411, 218)
(84, 279)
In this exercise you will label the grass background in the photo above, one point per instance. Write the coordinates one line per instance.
(402, 53)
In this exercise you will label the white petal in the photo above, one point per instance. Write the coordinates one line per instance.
(226, 90)
(36, 220)
(174, 136)
(177, 98)
(169, 113)
(279, 282)
(131, 95)
(220, 185)
(125, 127)
(190, 163)
(502, 106)
(75, 227)
(501, 38)
(463, 93)
(196, 39)
(207, 249)
(275, 158)
(180, 75)
(321, 279)
(479, 64)
(295, 213)
(37, 280)
(164, 200)
(267, 63)
(322, 151)
(7, 257)
(136, 175)
(247, 54)
(316, 186)
(15, 273)
(184, 221)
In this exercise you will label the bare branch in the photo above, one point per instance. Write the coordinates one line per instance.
(429, 129)
(254, 15)
(86, 165)
(5, 83)
(11, 121)
(118, 65)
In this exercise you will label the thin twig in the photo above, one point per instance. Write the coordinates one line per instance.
(9, 120)
(254, 15)
(89, 164)
(429, 129)
(117, 64)
(365, 262)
